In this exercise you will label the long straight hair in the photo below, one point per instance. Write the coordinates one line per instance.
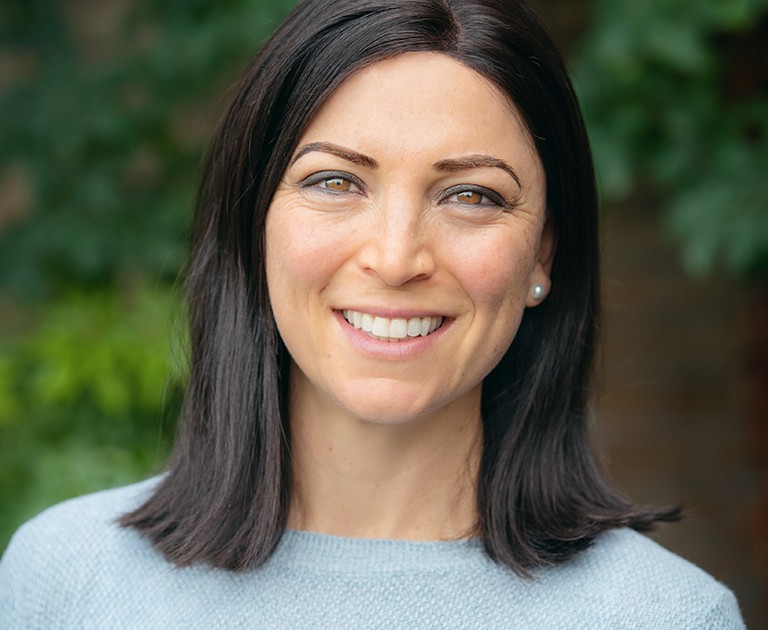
(540, 495)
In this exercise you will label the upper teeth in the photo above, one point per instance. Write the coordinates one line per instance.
(394, 328)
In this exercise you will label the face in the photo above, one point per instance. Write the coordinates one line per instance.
(404, 240)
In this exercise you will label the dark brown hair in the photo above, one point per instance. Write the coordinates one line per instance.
(541, 497)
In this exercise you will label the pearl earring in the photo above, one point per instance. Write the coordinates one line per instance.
(538, 291)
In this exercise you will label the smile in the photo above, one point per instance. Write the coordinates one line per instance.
(393, 329)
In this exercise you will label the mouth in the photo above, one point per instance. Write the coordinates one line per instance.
(393, 329)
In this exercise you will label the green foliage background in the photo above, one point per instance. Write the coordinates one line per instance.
(675, 94)
(106, 108)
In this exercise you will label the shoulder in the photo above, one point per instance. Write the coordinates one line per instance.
(81, 523)
(106, 504)
(637, 579)
(51, 556)
(632, 557)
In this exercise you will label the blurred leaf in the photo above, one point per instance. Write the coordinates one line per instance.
(110, 121)
(97, 375)
(675, 93)
(106, 108)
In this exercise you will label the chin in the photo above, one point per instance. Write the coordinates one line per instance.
(388, 407)
(387, 412)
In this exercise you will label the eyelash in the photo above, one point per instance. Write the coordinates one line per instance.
(492, 198)
(314, 180)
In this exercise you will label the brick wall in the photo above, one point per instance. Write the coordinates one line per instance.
(673, 406)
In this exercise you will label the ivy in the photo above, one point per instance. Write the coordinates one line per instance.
(676, 98)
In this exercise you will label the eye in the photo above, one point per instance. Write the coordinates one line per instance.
(477, 196)
(336, 183)
(333, 182)
(471, 197)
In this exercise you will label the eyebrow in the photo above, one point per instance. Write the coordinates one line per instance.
(476, 161)
(445, 166)
(334, 149)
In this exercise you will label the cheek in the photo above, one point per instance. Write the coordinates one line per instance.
(496, 273)
(292, 272)
(495, 277)
(301, 259)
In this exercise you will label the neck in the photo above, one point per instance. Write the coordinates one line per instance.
(411, 480)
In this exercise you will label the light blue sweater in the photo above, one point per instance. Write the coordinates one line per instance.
(72, 567)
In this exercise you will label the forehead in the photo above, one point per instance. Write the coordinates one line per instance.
(419, 101)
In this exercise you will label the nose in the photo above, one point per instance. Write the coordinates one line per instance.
(398, 247)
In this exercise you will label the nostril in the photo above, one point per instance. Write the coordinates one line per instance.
(398, 264)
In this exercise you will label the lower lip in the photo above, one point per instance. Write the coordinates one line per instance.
(404, 349)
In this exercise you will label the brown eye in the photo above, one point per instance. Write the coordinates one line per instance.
(338, 184)
(471, 197)
(474, 197)
(332, 183)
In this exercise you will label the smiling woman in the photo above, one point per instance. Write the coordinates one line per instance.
(402, 207)
(399, 207)
(393, 295)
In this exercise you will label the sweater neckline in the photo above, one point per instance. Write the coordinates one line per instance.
(334, 553)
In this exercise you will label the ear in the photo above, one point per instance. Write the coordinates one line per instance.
(539, 282)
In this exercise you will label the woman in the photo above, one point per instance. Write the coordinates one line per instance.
(393, 292)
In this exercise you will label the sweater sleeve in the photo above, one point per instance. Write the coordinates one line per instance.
(54, 561)
(724, 614)
(36, 573)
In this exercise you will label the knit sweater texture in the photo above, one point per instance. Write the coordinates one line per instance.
(73, 567)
